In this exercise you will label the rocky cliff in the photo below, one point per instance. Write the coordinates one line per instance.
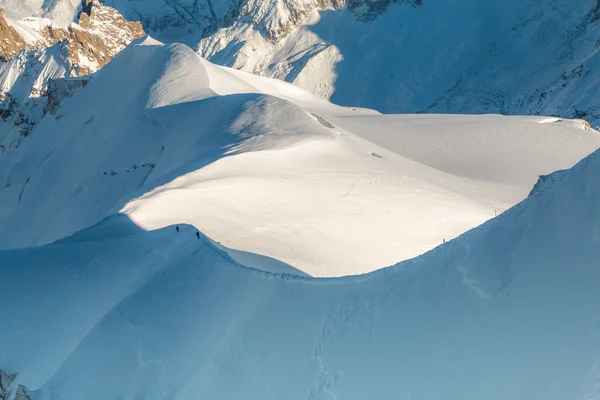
(98, 35)
(6, 388)
(35, 51)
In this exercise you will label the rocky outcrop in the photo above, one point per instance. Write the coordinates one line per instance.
(10, 40)
(61, 89)
(193, 20)
(99, 34)
(275, 22)
(23, 88)
(31, 66)
(6, 383)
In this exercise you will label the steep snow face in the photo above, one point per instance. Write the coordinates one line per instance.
(264, 167)
(511, 57)
(508, 310)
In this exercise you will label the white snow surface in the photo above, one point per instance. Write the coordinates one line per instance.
(508, 310)
(264, 167)
(60, 12)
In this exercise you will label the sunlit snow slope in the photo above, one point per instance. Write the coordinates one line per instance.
(508, 310)
(264, 167)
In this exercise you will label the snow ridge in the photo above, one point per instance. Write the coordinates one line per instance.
(186, 132)
(195, 321)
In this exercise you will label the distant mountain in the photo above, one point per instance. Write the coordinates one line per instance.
(36, 50)
(415, 56)
(509, 57)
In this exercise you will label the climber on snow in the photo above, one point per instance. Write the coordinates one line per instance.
(177, 229)
(197, 235)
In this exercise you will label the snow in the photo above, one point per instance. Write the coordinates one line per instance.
(508, 310)
(23, 82)
(61, 12)
(512, 57)
(181, 21)
(29, 29)
(103, 299)
(470, 57)
(264, 167)
(19, 9)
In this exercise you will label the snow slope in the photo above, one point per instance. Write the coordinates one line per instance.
(166, 138)
(508, 310)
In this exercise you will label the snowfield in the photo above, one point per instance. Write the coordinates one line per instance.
(508, 310)
(264, 167)
(322, 252)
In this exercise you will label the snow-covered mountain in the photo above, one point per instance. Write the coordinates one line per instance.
(24, 81)
(61, 12)
(180, 140)
(508, 310)
(510, 57)
(36, 50)
(171, 228)
(96, 35)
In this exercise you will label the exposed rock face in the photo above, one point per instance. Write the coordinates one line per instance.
(101, 33)
(169, 20)
(23, 89)
(268, 38)
(6, 381)
(275, 22)
(192, 20)
(403, 56)
(10, 40)
(44, 52)
(60, 89)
